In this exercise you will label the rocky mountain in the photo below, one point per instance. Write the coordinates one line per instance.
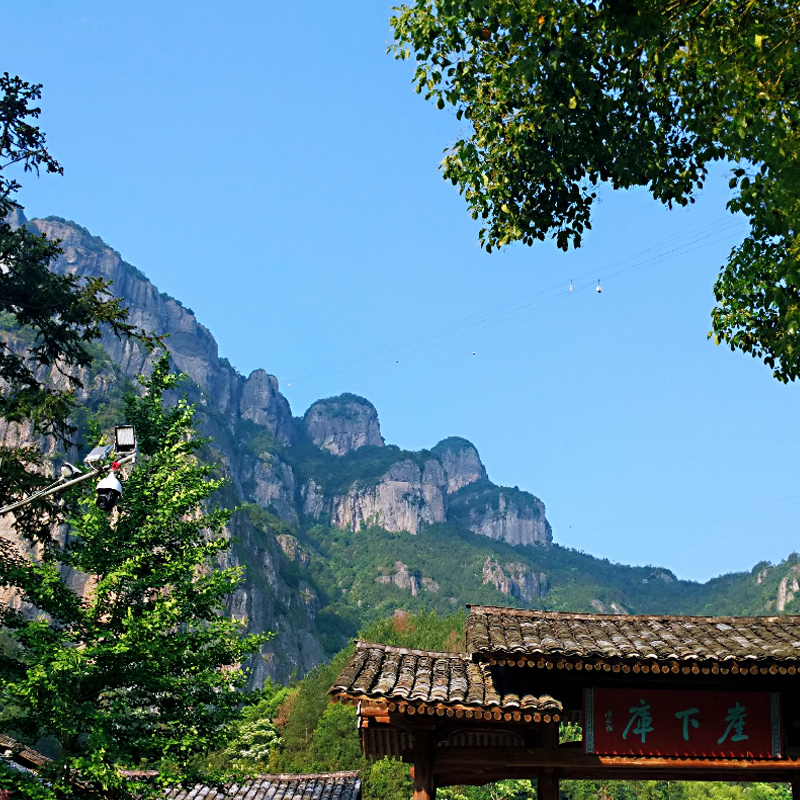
(340, 527)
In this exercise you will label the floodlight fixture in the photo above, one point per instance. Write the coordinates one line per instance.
(97, 456)
(125, 439)
(69, 471)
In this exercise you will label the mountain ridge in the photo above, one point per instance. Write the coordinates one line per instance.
(339, 527)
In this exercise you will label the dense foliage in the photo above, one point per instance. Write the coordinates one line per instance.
(564, 96)
(356, 577)
(127, 659)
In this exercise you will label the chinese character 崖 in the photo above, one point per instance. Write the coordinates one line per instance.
(644, 722)
(735, 720)
(686, 716)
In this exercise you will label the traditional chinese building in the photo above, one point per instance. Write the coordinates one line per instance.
(657, 698)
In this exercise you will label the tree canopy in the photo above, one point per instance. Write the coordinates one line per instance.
(564, 95)
(132, 662)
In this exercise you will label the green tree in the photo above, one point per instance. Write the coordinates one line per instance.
(140, 666)
(47, 321)
(562, 95)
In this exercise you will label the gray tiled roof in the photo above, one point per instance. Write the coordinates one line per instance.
(496, 631)
(321, 786)
(401, 675)
(13, 765)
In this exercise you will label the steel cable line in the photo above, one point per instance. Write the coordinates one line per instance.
(503, 312)
(437, 332)
(583, 292)
(452, 325)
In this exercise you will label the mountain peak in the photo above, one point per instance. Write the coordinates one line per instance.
(343, 423)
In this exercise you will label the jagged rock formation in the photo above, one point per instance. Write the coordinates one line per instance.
(460, 461)
(515, 580)
(191, 344)
(405, 498)
(448, 483)
(343, 424)
(509, 515)
(269, 456)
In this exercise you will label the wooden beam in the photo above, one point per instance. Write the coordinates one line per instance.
(572, 762)
(424, 787)
(464, 778)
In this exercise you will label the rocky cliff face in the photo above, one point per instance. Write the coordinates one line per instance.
(269, 457)
(445, 484)
(509, 515)
(515, 580)
(406, 497)
(460, 462)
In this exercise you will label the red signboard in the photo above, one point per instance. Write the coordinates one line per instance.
(642, 722)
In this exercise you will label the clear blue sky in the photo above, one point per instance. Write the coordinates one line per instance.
(271, 166)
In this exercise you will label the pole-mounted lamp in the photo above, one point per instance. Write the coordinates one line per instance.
(109, 488)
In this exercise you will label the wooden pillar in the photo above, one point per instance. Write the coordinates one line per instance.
(547, 785)
(424, 788)
(796, 788)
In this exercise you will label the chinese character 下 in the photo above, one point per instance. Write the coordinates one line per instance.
(644, 722)
(735, 720)
(686, 716)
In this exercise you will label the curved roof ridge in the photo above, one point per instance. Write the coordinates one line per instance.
(582, 615)
(389, 648)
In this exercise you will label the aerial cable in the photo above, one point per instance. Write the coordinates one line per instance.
(425, 341)
(470, 320)
(510, 310)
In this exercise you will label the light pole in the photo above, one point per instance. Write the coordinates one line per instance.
(124, 445)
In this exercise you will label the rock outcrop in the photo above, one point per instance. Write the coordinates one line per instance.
(404, 499)
(514, 580)
(460, 461)
(445, 484)
(509, 515)
(402, 578)
(343, 424)
(191, 344)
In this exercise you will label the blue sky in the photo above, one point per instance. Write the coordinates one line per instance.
(272, 167)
